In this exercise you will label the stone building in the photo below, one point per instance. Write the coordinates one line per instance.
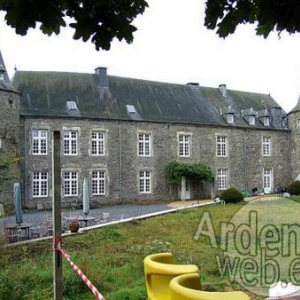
(9, 136)
(121, 133)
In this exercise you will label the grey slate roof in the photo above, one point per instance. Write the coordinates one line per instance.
(46, 94)
(5, 83)
(296, 108)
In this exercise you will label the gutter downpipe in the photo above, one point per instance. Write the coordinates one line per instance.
(246, 160)
(120, 161)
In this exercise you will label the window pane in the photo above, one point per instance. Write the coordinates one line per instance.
(39, 141)
(40, 184)
(184, 145)
(266, 146)
(70, 142)
(144, 144)
(71, 183)
(221, 146)
(98, 143)
(98, 182)
(222, 179)
(145, 182)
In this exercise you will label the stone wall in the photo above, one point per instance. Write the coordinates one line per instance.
(295, 142)
(244, 162)
(10, 142)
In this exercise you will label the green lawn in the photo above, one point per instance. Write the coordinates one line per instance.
(112, 257)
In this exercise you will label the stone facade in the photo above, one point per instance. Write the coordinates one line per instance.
(9, 142)
(122, 133)
(294, 124)
(121, 163)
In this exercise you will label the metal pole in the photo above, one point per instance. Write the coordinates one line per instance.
(56, 211)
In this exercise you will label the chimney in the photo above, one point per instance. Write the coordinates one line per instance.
(193, 83)
(222, 88)
(101, 73)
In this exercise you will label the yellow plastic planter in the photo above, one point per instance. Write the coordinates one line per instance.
(159, 271)
(188, 287)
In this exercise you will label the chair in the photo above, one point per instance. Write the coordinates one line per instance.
(94, 222)
(12, 234)
(188, 287)
(104, 217)
(36, 232)
(49, 223)
(159, 271)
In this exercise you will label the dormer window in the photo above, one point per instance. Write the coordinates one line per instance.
(266, 121)
(230, 118)
(131, 109)
(71, 105)
(249, 115)
(2, 71)
(228, 114)
(285, 122)
(264, 117)
(251, 120)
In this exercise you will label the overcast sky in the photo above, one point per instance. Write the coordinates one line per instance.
(171, 45)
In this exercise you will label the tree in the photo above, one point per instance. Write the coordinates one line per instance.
(100, 20)
(103, 20)
(269, 15)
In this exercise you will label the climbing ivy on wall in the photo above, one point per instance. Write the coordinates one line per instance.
(200, 171)
(5, 165)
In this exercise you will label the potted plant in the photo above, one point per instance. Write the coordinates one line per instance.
(74, 226)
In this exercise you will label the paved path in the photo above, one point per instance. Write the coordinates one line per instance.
(116, 212)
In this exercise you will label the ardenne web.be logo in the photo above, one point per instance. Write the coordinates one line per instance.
(259, 246)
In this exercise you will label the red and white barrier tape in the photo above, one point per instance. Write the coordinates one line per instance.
(94, 290)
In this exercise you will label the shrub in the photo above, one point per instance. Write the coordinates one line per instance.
(232, 195)
(294, 188)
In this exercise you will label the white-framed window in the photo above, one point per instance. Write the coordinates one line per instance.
(98, 182)
(98, 143)
(267, 179)
(144, 144)
(221, 142)
(230, 118)
(70, 183)
(251, 120)
(184, 145)
(70, 138)
(39, 141)
(40, 184)
(298, 122)
(266, 146)
(145, 182)
(131, 109)
(266, 121)
(72, 105)
(222, 179)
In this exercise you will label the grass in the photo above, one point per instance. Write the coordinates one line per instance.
(112, 257)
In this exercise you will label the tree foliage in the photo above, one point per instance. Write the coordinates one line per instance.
(98, 20)
(200, 171)
(5, 165)
(294, 188)
(268, 15)
(232, 195)
(103, 20)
